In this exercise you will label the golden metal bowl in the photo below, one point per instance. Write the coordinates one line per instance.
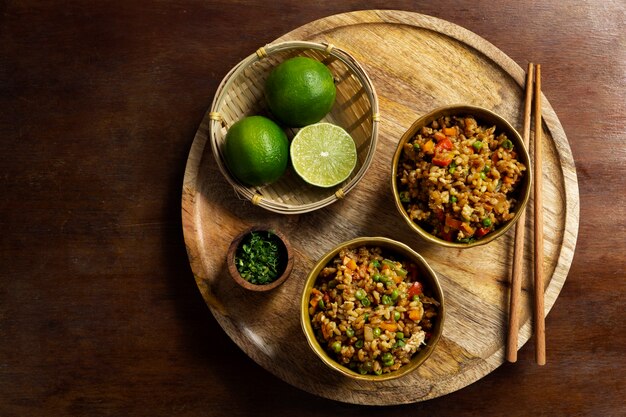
(483, 116)
(427, 277)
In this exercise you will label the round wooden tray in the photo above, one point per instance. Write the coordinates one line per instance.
(416, 63)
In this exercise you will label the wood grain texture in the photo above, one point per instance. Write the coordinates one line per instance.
(416, 63)
(99, 311)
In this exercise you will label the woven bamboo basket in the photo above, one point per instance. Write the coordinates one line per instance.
(241, 94)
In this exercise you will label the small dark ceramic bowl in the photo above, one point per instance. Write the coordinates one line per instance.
(284, 247)
(483, 117)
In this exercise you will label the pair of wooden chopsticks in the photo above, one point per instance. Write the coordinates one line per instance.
(533, 77)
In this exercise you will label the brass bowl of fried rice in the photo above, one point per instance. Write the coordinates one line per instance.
(461, 176)
(372, 309)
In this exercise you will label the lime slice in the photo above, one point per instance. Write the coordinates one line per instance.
(323, 154)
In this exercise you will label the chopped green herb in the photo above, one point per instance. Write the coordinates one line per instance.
(259, 259)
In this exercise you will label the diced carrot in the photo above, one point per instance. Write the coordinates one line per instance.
(397, 279)
(439, 136)
(352, 265)
(415, 315)
(428, 146)
(450, 131)
(392, 327)
(467, 229)
(508, 180)
(453, 223)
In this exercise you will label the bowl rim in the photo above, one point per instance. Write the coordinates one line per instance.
(481, 113)
(232, 251)
(394, 246)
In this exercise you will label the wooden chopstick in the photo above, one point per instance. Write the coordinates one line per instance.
(518, 251)
(540, 328)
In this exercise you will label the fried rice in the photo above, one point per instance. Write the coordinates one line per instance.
(458, 179)
(369, 311)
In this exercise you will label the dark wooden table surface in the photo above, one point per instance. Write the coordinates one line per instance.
(99, 311)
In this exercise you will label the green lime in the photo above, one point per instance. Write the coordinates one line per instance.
(323, 154)
(300, 91)
(257, 150)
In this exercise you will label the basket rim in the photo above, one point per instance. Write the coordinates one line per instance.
(215, 124)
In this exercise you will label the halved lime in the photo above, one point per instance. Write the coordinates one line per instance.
(323, 154)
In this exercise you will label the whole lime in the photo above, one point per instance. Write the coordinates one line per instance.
(256, 150)
(300, 91)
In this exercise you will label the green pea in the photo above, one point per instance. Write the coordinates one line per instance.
(477, 145)
(379, 371)
(366, 317)
(399, 335)
(336, 346)
(400, 343)
(486, 169)
(507, 144)
(386, 300)
(350, 332)
(483, 176)
(360, 294)
(365, 302)
(453, 199)
(387, 356)
(394, 295)
(377, 277)
(376, 331)
(396, 315)
(416, 298)
(416, 147)
(486, 222)
(358, 344)
(375, 263)
(388, 363)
